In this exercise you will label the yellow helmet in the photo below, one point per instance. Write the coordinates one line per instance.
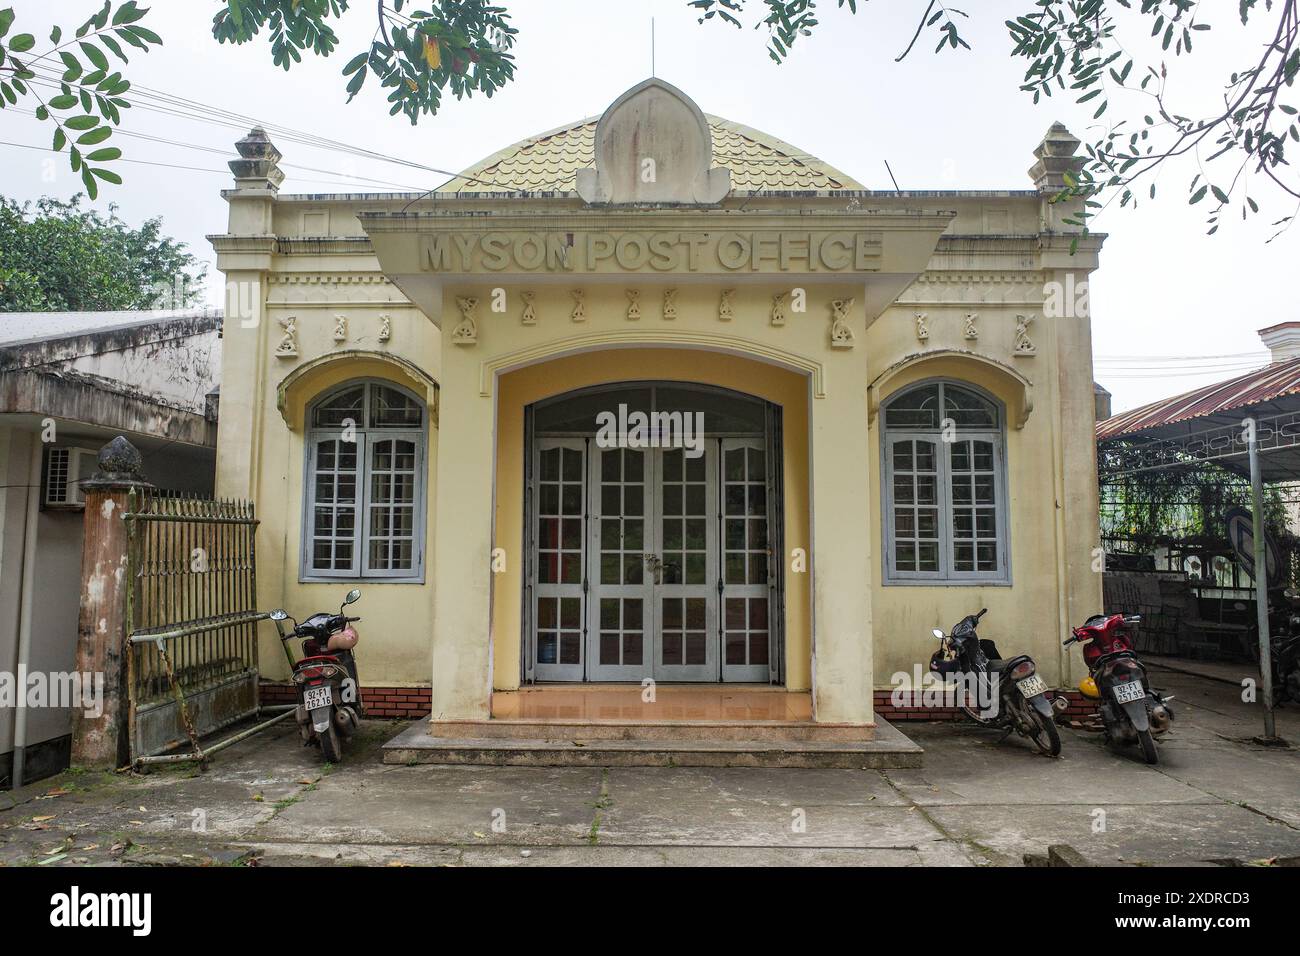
(1088, 687)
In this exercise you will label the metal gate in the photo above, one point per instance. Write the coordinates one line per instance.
(191, 620)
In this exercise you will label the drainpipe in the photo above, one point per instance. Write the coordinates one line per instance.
(28, 588)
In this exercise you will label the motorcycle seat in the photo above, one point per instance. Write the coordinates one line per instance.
(997, 666)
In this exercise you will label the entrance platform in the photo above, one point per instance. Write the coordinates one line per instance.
(687, 726)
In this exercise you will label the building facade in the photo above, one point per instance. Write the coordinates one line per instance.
(658, 396)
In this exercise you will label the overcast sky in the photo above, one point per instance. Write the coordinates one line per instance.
(949, 121)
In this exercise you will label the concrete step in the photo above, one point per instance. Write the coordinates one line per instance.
(773, 731)
(887, 750)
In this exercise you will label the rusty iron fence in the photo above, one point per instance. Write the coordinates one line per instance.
(191, 622)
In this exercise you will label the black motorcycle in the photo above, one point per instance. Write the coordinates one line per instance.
(1284, 642)
(1007, 694)
(329, 696)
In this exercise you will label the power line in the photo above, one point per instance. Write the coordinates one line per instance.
(159, 101)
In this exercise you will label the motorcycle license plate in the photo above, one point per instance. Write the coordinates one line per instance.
(1032, 686)
(1130, 692)
(315, 697)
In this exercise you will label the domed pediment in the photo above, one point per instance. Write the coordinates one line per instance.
(653, 145)
(549, 162)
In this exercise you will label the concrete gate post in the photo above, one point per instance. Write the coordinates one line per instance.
(103, 742)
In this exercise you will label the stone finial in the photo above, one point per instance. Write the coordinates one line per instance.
(120, 463)
(1056, 157)
(256, 167)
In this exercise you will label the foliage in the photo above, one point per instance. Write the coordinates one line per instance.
(1077, 47)
(458, 44)
(1188, 502)
(91, 93)
(59, 257)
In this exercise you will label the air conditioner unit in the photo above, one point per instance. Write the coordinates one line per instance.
(64, 470)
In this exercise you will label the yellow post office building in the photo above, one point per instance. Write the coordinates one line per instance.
(658, 403)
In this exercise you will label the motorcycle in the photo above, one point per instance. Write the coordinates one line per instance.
(1129, 710)
(1021, 703)
(329, 699)
(1284, 641)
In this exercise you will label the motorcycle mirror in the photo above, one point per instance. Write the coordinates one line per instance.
(279, 615)
(353, 596)
(938, 633)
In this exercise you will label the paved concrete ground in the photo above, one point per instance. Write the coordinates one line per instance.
(1215, 796)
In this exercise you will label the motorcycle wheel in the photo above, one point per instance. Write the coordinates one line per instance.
(1148, 744)
(1046, 739)
(331, 746)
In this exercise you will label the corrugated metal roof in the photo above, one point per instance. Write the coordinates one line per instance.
(1262, 385)
(548, 162)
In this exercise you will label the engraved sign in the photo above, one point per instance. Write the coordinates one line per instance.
(724, 252)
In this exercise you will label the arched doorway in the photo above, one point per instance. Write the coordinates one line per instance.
(653, 510)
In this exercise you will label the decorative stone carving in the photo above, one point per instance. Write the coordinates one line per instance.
(653, 145)
(288, 347)
(726, 306)
(340, 328)
(1023, 346)
(579, 305)
(385, 328)
(633, 305)
(841, 333)
(778, 308)
(972, 331)
(529, 316)
(922, 327)
(670, 304)
(119, 461)
(466, 333)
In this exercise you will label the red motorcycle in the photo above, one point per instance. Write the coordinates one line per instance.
(1129, 710)
(329, 699)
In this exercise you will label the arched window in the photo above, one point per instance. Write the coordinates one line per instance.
(364, 495)
(944, 483)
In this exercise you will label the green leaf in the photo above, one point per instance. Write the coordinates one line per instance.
(97, 135)
(22, 43)
(128, 13)
(6, 20)
(60, 140)
(92, 187)
(1198, 195)
(107, 175)
(105, 155)
(82, 122)
(95, 55)
(65, 102)
(145, 34)
(355, 63)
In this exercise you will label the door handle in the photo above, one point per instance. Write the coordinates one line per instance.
(654, 564)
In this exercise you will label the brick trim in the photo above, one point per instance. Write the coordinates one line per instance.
(392, 703)
(1079, 707)
(408, 703)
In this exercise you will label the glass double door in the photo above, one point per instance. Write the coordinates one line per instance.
(652, 562)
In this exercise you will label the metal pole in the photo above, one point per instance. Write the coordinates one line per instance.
(1261, 586)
